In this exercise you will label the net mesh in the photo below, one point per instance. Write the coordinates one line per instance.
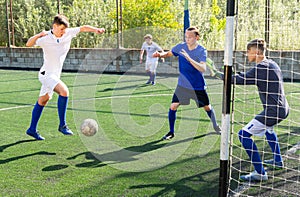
(282, 32)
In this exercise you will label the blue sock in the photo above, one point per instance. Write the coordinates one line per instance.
(36, 114)
(62, 104)
(153, 77)
(212, 116)
(273, 142)
(251, 149)
(172, 118)
(149, 74)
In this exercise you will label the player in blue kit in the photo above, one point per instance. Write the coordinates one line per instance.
(191, 82)
(267, 76)
(55, 44)
(151, 62)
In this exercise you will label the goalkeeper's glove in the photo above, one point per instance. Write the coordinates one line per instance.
(213, 70)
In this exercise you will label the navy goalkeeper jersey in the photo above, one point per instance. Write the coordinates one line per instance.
(268, 78)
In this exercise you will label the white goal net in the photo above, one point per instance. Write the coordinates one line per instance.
(278, 23)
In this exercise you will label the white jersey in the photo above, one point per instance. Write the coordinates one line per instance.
(150, 49)
(55, 50)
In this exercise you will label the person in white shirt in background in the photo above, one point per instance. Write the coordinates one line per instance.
(151, 62)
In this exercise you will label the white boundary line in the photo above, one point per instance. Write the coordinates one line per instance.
(16, 107)
(100, 98)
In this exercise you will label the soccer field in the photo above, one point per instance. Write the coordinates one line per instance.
(126, 157)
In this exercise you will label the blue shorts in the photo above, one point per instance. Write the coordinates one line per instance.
(183, 96)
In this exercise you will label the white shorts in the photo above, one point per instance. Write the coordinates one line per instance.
(257, 128)
(49, 82)
(151, 66)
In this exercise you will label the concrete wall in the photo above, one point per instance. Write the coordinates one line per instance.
(127, 60)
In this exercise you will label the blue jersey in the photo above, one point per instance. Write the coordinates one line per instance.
(189, 76)
(268, 78)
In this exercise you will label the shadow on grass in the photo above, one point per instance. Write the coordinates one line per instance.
(128, 154)
(204, 182)
(117, 156)
(184, 187)
(123, 88)
(144, 93)
(55, 167)
(22, 91)
(95, 163)
(24, 156)
(3, 147)
(106, 83)
(196, 185)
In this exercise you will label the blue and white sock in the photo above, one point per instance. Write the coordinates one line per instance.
(62, 104)
(251, 149)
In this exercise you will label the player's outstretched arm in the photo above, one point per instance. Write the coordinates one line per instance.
(160, 50)
(31, 41)
(162, 54)
(88, 28)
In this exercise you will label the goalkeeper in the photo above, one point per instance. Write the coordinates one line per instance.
(267, 76)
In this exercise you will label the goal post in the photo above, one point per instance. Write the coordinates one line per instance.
(225, 134)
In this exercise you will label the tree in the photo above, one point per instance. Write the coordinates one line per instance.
(209, 17)
(161, 18)
(3, 24)
(91, 12)
(139, 17)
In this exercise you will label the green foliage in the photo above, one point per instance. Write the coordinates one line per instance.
(30, 20)
(90, 12)
(140, 13)
(162, 18)
(140, 17)
(217, 25)
(209, 17)
(3, 24)
(284, 23)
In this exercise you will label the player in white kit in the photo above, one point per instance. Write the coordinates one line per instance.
(55, 44)
(151, 62)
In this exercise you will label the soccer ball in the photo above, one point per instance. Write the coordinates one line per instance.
(89, 127)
